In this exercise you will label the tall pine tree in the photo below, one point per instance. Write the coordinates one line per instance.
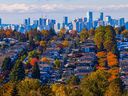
(36, 71)
(6, 64)
(18, 72)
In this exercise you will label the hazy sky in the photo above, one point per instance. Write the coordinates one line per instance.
(14, 11)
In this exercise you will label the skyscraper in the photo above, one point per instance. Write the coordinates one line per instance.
(65, 21)
(101, 16)
(70, 25)
(35, 22)
(77, 26)
(108, 20)
(42, 21)
(90, 20)
(126, 25)
(85, 19)
(27, 22)
(90, 16)
(0, 21)
(121, 22)
(58, 26)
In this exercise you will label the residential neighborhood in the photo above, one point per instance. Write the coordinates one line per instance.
(123, 60)
(11, 48)
(63, 48)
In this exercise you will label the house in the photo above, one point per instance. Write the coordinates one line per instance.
(44, 76)
(88, 49)
(45, 67)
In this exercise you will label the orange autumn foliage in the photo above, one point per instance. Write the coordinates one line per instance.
(63, 30)
(101, 54)
(44, 59)
(102, 60)
(112, 59)
(7, 89)
(114, 71)
(33, 61)
(101, 68)
(112, 78)
(8, 33)
(65, 43)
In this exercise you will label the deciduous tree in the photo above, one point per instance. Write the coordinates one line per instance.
(57, 63)
(45, 33)
(95, 84)
(59, 90)
(84, 35)
(114, 89)
(65, 43)
(26, 86)
(112, 59)
(125, 33)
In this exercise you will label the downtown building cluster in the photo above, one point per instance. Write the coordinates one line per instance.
(88, 22)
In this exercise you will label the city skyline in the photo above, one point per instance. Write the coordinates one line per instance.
(13, 11)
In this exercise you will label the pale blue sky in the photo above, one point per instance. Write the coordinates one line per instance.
(95, 2)
(14, 11)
